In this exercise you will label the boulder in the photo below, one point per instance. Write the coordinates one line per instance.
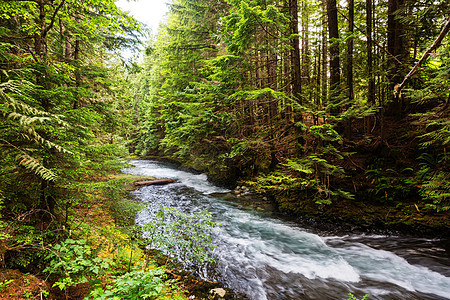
(220, 292)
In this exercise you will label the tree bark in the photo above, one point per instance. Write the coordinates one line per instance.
(396, 45)
(295, 52)
(371, 85)
(154, 182)
(76, 57)
(349, 73)
(333, 34)
(324, 53)
(349, 70)
(296, 70)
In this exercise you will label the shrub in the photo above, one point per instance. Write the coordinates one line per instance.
(75, 262)
(139, 285)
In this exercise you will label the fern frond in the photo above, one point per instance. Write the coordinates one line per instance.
(35, 166)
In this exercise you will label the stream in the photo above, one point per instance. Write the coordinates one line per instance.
(264, 256)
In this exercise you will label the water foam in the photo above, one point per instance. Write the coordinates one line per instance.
(385, 266)
(198, 182)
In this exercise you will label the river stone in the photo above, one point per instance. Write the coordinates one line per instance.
(219, 292)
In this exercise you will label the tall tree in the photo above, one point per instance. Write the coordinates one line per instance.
(335, 71)
(295, 51)
(324, 52)
(349, 64)
(371, 82)
(397, 46)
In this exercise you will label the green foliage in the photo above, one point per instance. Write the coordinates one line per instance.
(300, 178)
(4, 284)
(248, 17)
(353, 297)
(3, 225)
(390, 185)
(75, 261)
(20, 124)
(137, 284)
(184, 236)
(59, 119)
(434, 175)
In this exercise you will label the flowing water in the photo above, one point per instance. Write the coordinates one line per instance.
(264, 257)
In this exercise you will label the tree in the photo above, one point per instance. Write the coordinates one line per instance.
(397, 48)
(335, 71)
(54, 105)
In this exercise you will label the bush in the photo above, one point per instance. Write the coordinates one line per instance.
(139, 285)
(75, 262)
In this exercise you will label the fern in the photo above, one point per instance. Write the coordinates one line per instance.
(435, 178)
(300, 166)
(34, 165)
(21, 120)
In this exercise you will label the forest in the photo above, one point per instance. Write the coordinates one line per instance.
(332, 110)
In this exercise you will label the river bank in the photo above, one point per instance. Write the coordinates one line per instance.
(358, 217)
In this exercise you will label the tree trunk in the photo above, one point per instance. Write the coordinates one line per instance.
(324, 54)
(295, 52)
(371, 86)
(396, 45)
(306, 61)
(349, 71)
(154, 182)
(371, 82)
(434, 46)
(333, 34)
(296, 71)
(76, 56)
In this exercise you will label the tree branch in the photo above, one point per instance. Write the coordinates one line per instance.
(434, 46)
(47, 29)
(376, 43)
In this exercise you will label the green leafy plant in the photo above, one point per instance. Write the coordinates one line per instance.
(353, 297)
(309, 174)
(435, 177)
(23, 121)
(4, 284)
(139, 285)
(27, 295)
(389, 184)
(75, 262)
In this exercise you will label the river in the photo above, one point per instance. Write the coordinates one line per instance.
(264, 256)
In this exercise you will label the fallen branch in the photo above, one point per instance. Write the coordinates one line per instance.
(434, 46)
(154, 182)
